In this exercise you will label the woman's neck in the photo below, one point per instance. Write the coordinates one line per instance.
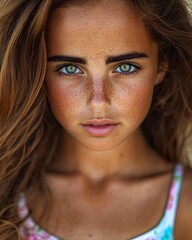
(132, 157)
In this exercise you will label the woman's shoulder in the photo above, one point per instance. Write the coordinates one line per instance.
(183, 229)
(186, 194)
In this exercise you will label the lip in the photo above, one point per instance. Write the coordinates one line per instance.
(101, 121)
(100, 127)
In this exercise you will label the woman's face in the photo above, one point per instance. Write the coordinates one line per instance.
(102, 69)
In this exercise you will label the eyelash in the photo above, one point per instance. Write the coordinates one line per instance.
(131, 65)
(136, 69)
(67, 65)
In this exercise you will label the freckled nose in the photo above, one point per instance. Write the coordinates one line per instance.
(99, 95)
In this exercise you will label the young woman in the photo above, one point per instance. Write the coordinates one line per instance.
(95, 117)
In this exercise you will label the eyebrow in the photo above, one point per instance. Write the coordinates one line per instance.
(128, 56)
(110, 59)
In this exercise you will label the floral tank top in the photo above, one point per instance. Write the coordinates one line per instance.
(29, 230)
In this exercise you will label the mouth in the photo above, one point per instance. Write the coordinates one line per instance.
(100, 127)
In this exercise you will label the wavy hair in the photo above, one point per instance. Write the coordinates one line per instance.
(27, 142)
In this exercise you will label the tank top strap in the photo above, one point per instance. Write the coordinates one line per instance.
(174, 194)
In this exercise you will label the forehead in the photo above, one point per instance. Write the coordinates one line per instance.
(101, 25)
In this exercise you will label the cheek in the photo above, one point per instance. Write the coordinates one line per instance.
(135, 100)
(63, 101)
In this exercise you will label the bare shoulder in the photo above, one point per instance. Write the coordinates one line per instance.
(183, 226)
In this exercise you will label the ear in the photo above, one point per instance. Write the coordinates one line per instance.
(162, 71)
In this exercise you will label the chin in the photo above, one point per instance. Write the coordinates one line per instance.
(94, 145)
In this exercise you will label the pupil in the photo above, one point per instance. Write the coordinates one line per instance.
(125, 68)
(71, 69)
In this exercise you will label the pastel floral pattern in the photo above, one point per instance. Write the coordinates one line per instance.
(168, 234)
(29, 230)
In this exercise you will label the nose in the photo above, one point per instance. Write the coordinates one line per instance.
(99, 94)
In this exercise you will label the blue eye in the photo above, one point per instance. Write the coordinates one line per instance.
(126, 68)
(69, 70)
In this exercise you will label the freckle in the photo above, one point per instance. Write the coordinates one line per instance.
(69, 206)
(121, 155)
(90, 235)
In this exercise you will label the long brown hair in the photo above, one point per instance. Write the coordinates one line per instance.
(26, 123)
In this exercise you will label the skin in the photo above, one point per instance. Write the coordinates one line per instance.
(98, 185)
(99, 92)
